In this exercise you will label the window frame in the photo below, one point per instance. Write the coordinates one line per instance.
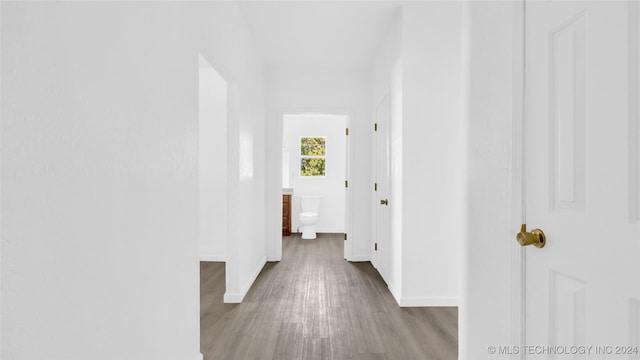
(302, 157)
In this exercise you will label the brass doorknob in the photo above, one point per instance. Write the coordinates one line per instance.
(536, 237)
(384, 202)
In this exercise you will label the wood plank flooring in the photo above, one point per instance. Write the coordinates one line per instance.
(315, 305)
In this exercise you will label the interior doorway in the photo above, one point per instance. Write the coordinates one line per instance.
(315, 163)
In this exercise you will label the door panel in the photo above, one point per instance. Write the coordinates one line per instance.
(583, 287)
(383, 227)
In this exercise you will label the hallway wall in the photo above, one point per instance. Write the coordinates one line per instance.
(419, 65)
(386, 80)
(432, 153)
(227, 44)
(99, 174)
(331, 91)
(212, 163)
(491, 105)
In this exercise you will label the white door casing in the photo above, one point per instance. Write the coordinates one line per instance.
(348, 244)
(381, 189)
(581, 165)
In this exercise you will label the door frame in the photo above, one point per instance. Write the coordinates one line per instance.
(481, 244)
(374, 146)
(348, 221)
(518, 189)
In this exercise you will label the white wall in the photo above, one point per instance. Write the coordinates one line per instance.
(489, 242)
(432, 183)
(100, 176)
(386, 80)
(328, 91)
(420, 66)
(330, 187)
(212, 163)
(99, 191)
(227, 44)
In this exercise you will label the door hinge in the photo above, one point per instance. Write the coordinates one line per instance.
(347, 132)
(375, 186)
(375, 127)
(345, 236)
(375, 247)
(346, 183)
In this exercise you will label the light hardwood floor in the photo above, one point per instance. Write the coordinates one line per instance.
(315, 305)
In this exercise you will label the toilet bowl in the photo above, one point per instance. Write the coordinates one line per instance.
(308, 221)
(310, 206)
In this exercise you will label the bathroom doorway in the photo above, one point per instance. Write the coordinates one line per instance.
(315, 163)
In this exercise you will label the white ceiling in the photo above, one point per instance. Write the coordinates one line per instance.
(333, 34)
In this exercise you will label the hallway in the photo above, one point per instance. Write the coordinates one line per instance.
(315, 305)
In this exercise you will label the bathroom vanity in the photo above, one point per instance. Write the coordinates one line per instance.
(286, 211)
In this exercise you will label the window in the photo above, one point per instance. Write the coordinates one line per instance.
(312, 156)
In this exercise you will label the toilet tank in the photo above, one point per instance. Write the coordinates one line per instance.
(310, 203)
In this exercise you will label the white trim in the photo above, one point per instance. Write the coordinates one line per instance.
(324, 230)
(331, 230)
(430, 301)
(210, 253)
(374, 174)
(518, 274)
(360, 258)
(199, 357)
(274, 193)
(348, 193)
(348, 224)
(395, 293)
(213, 257)
(1, 238)
(232, 298)
(236, 298)
(463, 278)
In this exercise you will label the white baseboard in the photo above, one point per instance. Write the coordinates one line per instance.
(236, 298)
(428, 301)
(199, 357)
(232, 298)
(360, 258)
(395, 293)
(213, 257)
(327, 230)
(331, 230)
(212, 253)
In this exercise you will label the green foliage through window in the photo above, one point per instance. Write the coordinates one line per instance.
(312, 146)
(312, 167)
(312, 156)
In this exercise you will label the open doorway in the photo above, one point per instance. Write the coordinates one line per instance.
(314, 175)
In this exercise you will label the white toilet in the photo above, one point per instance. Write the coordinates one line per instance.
(309, 215)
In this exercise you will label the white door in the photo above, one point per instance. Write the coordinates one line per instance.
(581, 179)
(381, 188)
